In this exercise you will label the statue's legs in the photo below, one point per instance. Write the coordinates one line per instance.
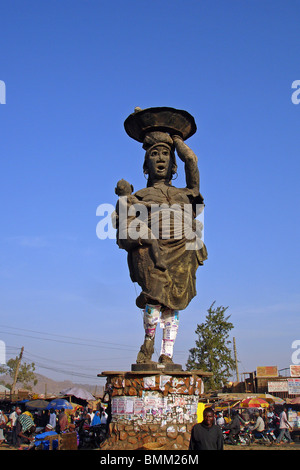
(169, 322)
(151, 319)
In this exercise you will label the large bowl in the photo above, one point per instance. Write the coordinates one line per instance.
(170, 120)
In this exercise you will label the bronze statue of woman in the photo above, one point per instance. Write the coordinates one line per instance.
(165, 291)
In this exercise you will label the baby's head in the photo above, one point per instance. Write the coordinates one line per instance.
(123, 188)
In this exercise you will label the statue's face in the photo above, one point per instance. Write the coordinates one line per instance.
(159, 163)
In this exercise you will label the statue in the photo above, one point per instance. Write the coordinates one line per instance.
(160, 257)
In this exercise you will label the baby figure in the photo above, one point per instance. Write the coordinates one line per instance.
(122, 189)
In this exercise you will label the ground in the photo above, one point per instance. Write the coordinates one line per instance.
(295, 446)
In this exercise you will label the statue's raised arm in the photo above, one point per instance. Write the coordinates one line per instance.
(190, 163)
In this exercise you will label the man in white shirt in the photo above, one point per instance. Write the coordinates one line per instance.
(52, 418)
(284, 427)
(259, 426)
(220, 420)
(13, 419)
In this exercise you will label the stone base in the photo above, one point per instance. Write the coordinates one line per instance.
(147, 437)
(156, 366)
(152, 410)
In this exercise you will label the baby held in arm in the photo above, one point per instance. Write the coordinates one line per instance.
(143, 235)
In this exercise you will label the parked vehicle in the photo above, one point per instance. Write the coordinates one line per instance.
(90, 437)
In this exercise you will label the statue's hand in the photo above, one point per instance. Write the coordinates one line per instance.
(183, 151)
(176, 138)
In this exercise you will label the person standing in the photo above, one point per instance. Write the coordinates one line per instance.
(284, 427)
(220, 420)
(96, 421)
(62, 421)
(104, 416)
(3, 422)
(25, 427)
(13, 419)
(91, 414)
(207, 435)
(272, 419)
(52, 419)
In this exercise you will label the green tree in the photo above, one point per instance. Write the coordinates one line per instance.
(212, 352)
(26, 375)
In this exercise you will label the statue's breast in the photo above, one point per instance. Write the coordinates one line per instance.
(163, 195)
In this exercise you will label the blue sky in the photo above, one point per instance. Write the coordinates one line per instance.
(74, 70)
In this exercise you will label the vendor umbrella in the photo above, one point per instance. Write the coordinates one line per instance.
(78, 393)
(272, 399)
(58, 404)
(36, 405)
(226, 405)
(294, 401)
(254, 403)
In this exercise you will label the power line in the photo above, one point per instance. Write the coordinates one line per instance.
(66, 372)
(74, 361)
(53, 366)
(98, 344)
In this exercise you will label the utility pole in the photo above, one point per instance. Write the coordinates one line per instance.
(17, 371)
(236, 361)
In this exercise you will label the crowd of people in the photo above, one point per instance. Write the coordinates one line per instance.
(259, 421)
(19, 427)
(208, 434)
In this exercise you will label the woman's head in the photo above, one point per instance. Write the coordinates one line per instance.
(160, 162)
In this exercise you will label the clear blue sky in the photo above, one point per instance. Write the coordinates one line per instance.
(74, 70)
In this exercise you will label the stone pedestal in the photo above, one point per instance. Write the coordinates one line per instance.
(152, 409)
(151, 367)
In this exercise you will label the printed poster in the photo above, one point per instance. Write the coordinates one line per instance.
(295, 371)
(163, 379)
(149, 382)
(294, 386)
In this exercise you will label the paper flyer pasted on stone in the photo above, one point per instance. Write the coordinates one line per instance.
(149, 382)
(163, 380)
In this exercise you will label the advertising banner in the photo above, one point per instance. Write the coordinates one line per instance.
(294, 386)
(294, 370)
(267, 371)
(278, 386)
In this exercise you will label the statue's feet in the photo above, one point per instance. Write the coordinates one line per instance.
(144, 359)
(146, 351)
(163, 359)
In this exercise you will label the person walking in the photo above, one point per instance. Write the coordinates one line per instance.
(284, 427)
